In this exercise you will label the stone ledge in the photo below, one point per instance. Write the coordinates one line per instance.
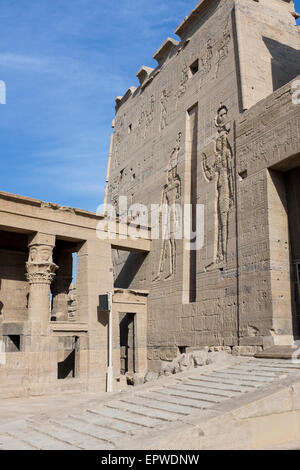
(69, 327)
(163, 52)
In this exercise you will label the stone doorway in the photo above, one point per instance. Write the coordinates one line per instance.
(127, 343)
(292, 179)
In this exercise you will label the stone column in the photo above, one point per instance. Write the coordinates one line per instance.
(40, 273)
(60, 287)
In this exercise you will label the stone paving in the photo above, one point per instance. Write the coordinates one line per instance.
(142, 412)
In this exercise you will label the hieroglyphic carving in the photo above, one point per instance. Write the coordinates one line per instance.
(277, 143)
(149, 114)
(114, 191)
(171, 195)
(163, 110)
(117, 143)
(205, 62)
(222, 47)
(184, 78)
(222, 169)
(145, 119)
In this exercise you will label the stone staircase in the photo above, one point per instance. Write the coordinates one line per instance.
(145, 411)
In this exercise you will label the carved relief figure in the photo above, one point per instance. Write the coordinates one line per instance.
(171, 195)
(205, 62)
(222, 47)
(117, 141)
(183, 81)
(145, 119)
(222, 170)
(163, 110)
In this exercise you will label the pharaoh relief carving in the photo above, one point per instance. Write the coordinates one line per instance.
(117, 142)
(205, 62)
(114, 190)
(163, 110)
(184, 79)
(145, 119)
(223, 47)
(171, 195)
(221, 170)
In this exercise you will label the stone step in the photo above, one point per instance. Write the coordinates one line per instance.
(8, 442)
(108, 432)
(187, 391)
(40, 441)
(98, 432)
(185, 402)
(278, 369)
(151, 401)
(214, 391)
(128, 417)
(208, 382)
(247, 376)
(164, 416)
(280, 364)
(121, 426)
(73, 438)
(235, 381)
(277, 352)
(257, 370)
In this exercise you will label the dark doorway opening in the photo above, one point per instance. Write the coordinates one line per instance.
(67, 367)
(127, 342)
(12, 343)
(293, 208)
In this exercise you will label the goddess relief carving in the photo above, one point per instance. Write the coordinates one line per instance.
(223, 47)
(205, 62)
(221, 169)
(171, 195)
(184, 79)
(163, 110)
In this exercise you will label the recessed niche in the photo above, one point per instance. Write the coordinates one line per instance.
(243, 175)
(194, 68)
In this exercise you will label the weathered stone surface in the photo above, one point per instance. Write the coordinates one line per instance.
(168, 415)
(206, 127)
(151, 377)
(216, 128)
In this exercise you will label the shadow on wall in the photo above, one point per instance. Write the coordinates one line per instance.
(129, 270)
(285, 62)
(66, 368)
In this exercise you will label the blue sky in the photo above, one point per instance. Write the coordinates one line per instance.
(64, 62)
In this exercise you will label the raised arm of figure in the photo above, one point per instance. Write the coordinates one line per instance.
(209, 172)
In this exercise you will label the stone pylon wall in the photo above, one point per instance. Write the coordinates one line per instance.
(173, 141)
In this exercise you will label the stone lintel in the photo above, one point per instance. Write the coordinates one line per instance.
(130, 297)
(50, 207)
(118, 290)
(163, 52)
(69, 327)
(144, 73)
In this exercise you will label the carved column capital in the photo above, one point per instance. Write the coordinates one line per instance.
(40, 267)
